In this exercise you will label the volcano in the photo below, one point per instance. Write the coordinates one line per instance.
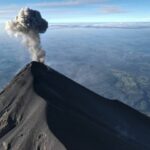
(42, 109)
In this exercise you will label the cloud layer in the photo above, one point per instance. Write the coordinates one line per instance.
(67, 3)
(112, 10)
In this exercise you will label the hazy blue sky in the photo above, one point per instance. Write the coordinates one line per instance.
(81, 10)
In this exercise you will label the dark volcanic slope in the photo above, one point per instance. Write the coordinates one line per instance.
(40, 102)
(82, 119)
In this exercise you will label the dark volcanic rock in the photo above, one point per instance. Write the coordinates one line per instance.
(41, 102)
(23, 122)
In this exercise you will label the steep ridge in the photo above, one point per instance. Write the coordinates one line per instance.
(43, 110)
(81, 119)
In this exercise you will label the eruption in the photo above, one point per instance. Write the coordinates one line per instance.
(28, 25)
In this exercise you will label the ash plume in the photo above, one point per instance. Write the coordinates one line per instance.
(28, 25)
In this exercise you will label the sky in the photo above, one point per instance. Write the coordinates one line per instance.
(77, 11)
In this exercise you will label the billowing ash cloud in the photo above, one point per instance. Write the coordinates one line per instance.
(28, 25)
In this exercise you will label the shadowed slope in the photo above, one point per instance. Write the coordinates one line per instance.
(81, 119)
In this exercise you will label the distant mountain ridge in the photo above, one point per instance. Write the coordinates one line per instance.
(42, 109)
(122, 25)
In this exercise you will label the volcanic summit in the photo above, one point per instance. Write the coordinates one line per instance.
(42, 109)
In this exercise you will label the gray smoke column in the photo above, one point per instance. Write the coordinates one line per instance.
(28, 25)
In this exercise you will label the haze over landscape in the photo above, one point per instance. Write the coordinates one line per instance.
(117, 68)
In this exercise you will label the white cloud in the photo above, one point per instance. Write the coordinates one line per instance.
(112, 10)
(7, 11)
(10, 9)
(89, 1)
(67, 3)
(55, 4)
